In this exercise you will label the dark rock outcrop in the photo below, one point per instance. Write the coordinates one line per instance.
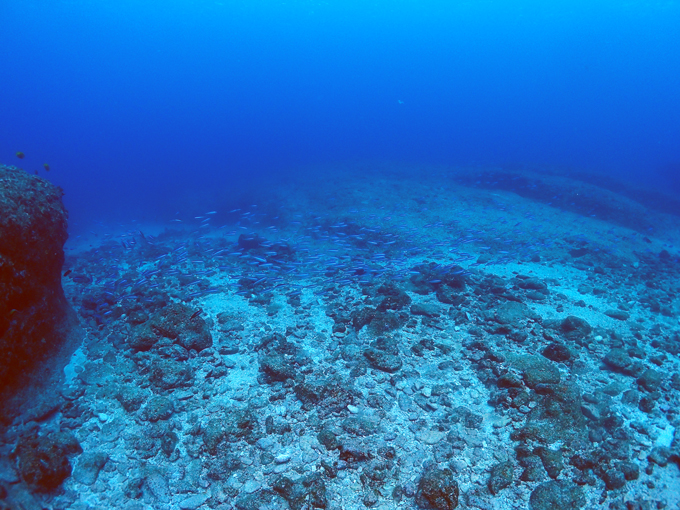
(437, 490)
(44, 461)
(37, 326)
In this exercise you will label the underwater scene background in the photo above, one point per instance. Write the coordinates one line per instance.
(142, 103)
(339, 254)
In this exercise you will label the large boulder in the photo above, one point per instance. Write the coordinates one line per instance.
(44, 461)
(37, 326)
(179, 323)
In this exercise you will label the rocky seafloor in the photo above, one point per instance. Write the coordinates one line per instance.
(371, 339)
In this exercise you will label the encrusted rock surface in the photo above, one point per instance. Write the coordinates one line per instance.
(36, 321)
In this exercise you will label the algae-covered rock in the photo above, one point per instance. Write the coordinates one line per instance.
(574, 328)
(501, 477)
(557, 495)
(168, 375)
(542, 374)
(558, 416)
(618, 360)
(277, 367)
(552, 460)
(383, 361)
(44, 461)
(557, 352)
(177, 322)
(307, 492)
(36, 322)
(650, 380)
(437, 490)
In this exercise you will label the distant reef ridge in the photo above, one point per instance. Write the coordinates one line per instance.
(38, 328)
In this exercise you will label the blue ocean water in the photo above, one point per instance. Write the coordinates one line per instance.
(137, 106)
